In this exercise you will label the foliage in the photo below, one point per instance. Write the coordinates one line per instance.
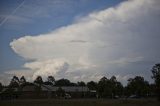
(38, 80)
(92, 85)
(156, 76)
(60, 92)
(22, 80)
(51, 79)
(137, 86)
(1, 87)
(14, 82)
(109, 87)
(81, 83)
(63, 82)
(106, 88)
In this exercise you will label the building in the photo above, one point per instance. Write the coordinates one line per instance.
(50, 91)
(33, 91)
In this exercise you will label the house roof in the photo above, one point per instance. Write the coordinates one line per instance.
(65, 88)
(29, 88)
(76, 89)
(55, 88)
(6, 89)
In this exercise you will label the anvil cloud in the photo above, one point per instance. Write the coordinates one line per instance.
(121, 41)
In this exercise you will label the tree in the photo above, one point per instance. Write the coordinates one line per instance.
(137, 86)
(73, 84)
(113, 79)
(22, 80)
(1, 86)
(81, 83)
(63, 82)
(51, 79)
(92, 85)
(156, 76)
(117, 87)
(104, 89)
(38, 80)
(15, 79)
(14, 82)
(109, 87)
(60, 92)
(103, 79)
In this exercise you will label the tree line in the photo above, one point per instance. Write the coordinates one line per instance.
(105, 87)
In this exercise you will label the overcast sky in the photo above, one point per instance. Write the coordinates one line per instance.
(79, 39)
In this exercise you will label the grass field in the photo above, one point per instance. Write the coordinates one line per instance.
(81, 102)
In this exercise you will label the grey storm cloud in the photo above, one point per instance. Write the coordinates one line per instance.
(78, 41)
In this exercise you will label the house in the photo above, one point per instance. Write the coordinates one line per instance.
(74, 91)
(33, 90)
(50, 91)
(29, 91)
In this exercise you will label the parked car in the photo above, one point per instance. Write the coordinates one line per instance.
(116, 97)
(67, 96)
(134, 96)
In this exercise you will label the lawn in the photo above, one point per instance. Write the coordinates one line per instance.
(80, 102)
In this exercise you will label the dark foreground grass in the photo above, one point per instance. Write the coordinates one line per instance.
(81, 102)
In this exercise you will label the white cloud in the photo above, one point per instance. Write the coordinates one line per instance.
(48, 67)
(126, 34)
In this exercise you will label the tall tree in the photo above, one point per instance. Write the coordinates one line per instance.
(92, 85)
(117, 87)
(1, 87)
(60, 92)
(38, 80)
(51, 79)
(113, 79)
(109, 87)
(137, 86)
(156, 76)
(22, 80)
(63, 82)
(81, 83)
(14, 82)
(104, 89)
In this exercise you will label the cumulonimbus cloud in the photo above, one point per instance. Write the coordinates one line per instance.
(127, 34)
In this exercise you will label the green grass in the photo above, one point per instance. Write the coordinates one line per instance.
(80, 102)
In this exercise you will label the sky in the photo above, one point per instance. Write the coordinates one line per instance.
(81, 40)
